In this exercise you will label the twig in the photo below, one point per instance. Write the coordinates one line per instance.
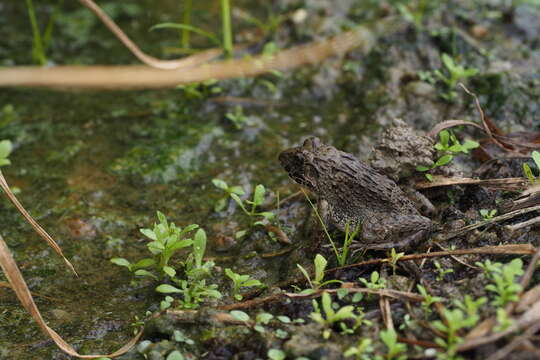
(523, 224)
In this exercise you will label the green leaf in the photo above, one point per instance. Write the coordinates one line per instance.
(252, 282)
(148, 233)
(320, 266)
(444, 136)
(231, 274)
(267, 214)
(422, 168)
(5, 148)
(175, 355)
(194, 29)
(429, 177)
(305, 273)
(169, 271)
(239, 315)
(143, 272)
(220, 184)
(284, 319)
(443, 160)
(199, 246)
(276, 354)
(121, 262)
(167, 289)
(264, 318)
(448, 62)
(237, 190)
(536, 157)
(143, 263)
(258, 196)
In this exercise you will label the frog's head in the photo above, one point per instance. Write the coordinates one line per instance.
(300, 162)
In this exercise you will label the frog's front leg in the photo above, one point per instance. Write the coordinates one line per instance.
(390, 230)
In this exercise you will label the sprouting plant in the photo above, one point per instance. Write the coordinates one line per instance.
(317, 282)
(240, 281)
(428, 300)
(363, 351)
(455, 74)
(471, 306)
(200, 90)
(276, 354)
(257, 200)
(193, 286)
(394, 258)
(456, 320)
(375, 282)
(165, 240)
(448, 147)
(487, 213)
(326, 316)
(395, 349)
(413, 12)
(262, 319)
(503, 278)
(503, 320)
(237, 117)
(227, 41)
(527, 169)
(341, 256)
(41, 41)
(220, 184)
(440, 271)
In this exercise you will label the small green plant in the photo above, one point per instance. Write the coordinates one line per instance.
(341, 255)
(448, 147)
(276, 354)
(428, 300)
(441, 273)
(413, 11)
(456, 320)
(220, 184)
(375, 282)
(240, 281)
(317, 282)
(396, 350)
(165, 240)
(488, 214)
(363, 351)
(193, 286)
(503, 320)
(237, 117)
(394, 258)
(326, 316)
(185, 28)
(455, 74)
(471, 306)
(200, 90)
(257, 200)
(527, 169)
(41, 41)
(503, 277)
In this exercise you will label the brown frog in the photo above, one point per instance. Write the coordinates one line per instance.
(354, 193)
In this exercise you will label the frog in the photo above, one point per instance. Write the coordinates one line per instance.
(353, 195)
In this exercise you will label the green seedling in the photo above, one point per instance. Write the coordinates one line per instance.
(441, 272)
(456, 320)
(220, 184)
(363, 351)
(527, 169)
(276, 354)
(455, 73)
(41, 41)
(200, 90)
(503, 320)
(341, 255)
(166, 239)
(185, 28)
(471, 307)
(326, 316)
(375, 282)
(488, 214)
(504, 283)
(317, 282)
(395, 349)
(413, 12)
(394, 258)
(240, 281)
(237, 117)
(428, 300)
(448, 147)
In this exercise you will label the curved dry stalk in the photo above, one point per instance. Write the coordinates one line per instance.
(4, 185)
(143, 57)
